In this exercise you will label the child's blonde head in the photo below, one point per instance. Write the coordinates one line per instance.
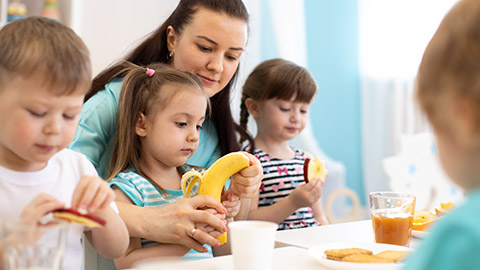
(48, 49)
(280, 79)
(450, 68)
(143, 92)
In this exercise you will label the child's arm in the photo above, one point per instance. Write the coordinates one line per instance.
(94, 194)
(135, 252)
(233, 204)
(319, 213)
(303, 195)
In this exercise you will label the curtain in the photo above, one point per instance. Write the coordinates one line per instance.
(392, 37)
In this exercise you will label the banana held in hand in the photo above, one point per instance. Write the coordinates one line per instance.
(213, 179)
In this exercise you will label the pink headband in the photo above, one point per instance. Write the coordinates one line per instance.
(150, 72)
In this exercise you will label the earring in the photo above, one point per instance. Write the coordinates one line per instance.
(170, 55)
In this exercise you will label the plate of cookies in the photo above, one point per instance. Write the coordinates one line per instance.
(368, 256)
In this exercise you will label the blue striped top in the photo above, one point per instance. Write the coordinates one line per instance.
(143, 193)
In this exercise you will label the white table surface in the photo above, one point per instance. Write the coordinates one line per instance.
(283, 258)
(291, 250)
(358, 231)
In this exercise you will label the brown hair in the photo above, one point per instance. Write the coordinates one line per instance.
(450, 66)
(37, 45)
(143, 94)
(154, 49)
(277, 78)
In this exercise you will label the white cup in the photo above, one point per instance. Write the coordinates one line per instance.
(252, 244)
(29, 247)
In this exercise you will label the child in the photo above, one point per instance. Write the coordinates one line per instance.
(448, 91)
(278, 94)
(161, 112)
(45, 72)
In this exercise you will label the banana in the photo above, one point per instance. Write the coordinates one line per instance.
(213, 179)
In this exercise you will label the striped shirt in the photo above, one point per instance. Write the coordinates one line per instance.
(281, 177)
(143, 193)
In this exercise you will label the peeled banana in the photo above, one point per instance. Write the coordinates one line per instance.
(213, 179)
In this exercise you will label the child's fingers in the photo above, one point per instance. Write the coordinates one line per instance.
(103, 197)
(85, 192)
(109, 199)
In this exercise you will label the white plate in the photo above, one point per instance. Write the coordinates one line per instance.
(317, 252)
(419, 234)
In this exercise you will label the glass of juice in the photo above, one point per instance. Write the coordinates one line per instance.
(392, 216)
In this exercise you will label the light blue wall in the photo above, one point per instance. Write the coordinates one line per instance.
(332, 41)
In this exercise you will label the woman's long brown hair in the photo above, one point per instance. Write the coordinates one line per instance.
(154, 49)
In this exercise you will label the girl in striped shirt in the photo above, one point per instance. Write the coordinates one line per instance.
(278, 94)
(161, 112)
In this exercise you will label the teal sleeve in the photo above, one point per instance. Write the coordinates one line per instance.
(129, 189)
(453, 243)
(97, 126)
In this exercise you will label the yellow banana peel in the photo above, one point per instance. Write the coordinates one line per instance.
(213, 179)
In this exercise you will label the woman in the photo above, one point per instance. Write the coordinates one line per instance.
(205, 38)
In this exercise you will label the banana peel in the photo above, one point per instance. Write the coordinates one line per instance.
(213, 179)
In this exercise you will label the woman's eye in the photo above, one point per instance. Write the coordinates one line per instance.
(199, 127)
(231, 57)
(181, 124)
(203, 48)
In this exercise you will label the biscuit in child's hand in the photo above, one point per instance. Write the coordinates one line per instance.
(338, 254)
(365, 258)
(393, 255)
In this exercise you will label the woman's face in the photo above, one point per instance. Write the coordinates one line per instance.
(209, 47)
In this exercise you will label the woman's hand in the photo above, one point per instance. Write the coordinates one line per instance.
(246, 182)
(175, 223)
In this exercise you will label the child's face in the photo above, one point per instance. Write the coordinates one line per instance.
(34, 123)
(171, 136)
(281, 120)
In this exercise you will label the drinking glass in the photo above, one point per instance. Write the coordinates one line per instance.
(392, 216)
(32, 247)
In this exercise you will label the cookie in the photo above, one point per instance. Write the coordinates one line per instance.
(393, 255)
(365, 258)
(339, 254)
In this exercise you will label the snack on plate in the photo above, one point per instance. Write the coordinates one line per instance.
(365, 258)
(422, 220)
(444, 208)
(393, 255)
(72, 215)
(359, 255)
(339, 254)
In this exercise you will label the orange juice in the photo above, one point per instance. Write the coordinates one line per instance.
(392, 228)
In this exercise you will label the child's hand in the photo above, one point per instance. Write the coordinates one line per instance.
(209, 229)
(92, 194)
(232, 203)
(39, 207)
(307, 194)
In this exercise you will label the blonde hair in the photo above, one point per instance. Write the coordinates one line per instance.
(37, 45)
(142, 93)
(277, 78)
(450, 66)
